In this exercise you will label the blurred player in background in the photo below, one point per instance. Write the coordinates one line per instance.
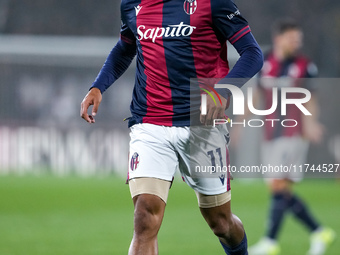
(286, 146)
(176, 40)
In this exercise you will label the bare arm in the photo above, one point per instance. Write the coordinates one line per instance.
(115, 65)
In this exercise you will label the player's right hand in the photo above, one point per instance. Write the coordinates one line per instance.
(93, 97)
(214, 111)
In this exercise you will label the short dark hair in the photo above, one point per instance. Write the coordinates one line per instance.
(283, 25)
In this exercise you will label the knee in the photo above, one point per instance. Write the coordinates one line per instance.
(221, 227)
(145, 221)
(225, 227)
(148, 216)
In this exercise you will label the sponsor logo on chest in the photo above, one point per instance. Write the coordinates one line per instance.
(154, 33)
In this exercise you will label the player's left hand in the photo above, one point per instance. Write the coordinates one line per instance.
(214, 111)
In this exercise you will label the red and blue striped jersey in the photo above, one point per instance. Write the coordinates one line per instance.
(294, 72)
(176, 40)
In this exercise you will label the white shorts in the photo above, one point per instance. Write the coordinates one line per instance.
(157, 151)
(289, 152)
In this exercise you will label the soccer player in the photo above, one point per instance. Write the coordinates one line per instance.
(176, 40)
(286, 146)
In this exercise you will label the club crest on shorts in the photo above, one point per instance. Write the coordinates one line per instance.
(190, 6)
(222, 178)
(134, 161)
(227, 138)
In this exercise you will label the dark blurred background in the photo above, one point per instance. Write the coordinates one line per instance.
(319, 19)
